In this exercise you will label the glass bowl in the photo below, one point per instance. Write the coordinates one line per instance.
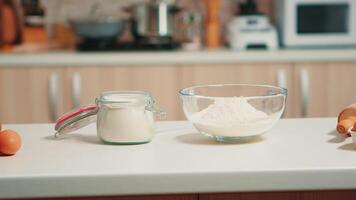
(231, 112)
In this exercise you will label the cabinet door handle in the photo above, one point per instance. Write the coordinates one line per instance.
(281, 78)
(53, 95)
(304, 90)
(76, 90)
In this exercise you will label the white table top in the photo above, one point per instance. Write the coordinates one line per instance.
(297, 154)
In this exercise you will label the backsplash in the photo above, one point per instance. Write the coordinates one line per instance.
(62, 10)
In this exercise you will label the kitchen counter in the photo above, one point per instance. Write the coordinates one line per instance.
(175, 57)
(297, 154)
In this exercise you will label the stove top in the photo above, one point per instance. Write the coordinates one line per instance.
(111, 44)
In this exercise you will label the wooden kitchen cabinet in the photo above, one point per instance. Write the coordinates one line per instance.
(40, 94)
(270, 74)
(164, 81)
(132, 197)
(84, 84)
(324, 89)
(310, 88)
(341, 90)
(288, 195)
(31, 94)
(37, 95)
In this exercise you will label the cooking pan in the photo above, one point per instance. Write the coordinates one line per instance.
(97, 25)
(96, 29)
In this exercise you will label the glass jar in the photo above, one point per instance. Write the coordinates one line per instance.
(125, 117)
(122, 117)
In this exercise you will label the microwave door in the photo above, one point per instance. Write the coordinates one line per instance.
(322, 19)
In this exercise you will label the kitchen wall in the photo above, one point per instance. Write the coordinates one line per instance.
(61, 10)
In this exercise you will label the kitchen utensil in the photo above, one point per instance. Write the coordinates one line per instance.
(154, 21)
(212, 24)
(122, 117)
(231, 112)
(98, 28)
(10, 23)
(191, 29)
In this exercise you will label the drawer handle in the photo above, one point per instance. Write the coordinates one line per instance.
(53, 95)
(304, 90)
(76, 90)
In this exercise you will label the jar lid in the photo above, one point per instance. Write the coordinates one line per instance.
(75, 119)
(125, 98)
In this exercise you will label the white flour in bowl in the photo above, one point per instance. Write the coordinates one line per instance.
(233, 117)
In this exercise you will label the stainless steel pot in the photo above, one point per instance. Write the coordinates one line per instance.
(154, 19)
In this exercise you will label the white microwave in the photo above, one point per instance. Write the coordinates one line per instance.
(316, 23)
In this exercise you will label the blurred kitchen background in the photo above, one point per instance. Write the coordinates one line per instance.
(58, 54)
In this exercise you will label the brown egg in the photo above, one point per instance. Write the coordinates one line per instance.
(0, 126)
(10, 142)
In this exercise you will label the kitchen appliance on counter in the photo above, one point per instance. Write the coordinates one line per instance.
(251, 29)
(34, 12)
(316, 23)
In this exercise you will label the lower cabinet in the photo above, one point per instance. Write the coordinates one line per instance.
(341, 86)
(310, 88)
(288, 195)
(31, 94)
(162, 81)
(132, 197)
(323, 89)
(41, 94)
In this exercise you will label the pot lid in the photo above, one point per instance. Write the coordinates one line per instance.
(75, 119)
